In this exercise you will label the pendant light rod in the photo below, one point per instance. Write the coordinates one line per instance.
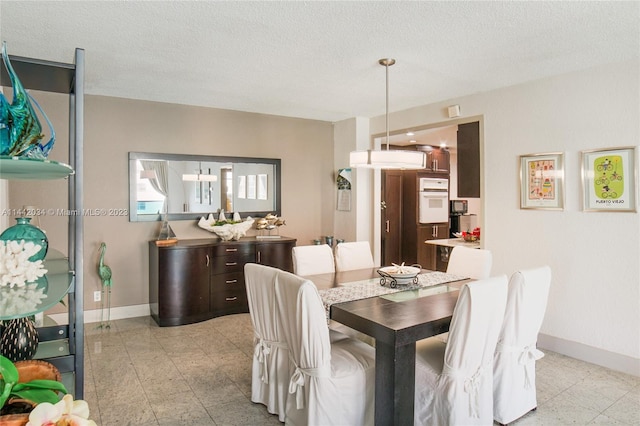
(387, 62)
(386, 158)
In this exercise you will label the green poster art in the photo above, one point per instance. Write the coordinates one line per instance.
(608, 182)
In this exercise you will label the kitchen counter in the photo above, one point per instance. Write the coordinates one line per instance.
(454, 242)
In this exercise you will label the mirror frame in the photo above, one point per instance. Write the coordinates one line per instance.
(133, 207)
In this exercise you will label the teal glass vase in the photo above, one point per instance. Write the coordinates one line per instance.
(24, 230)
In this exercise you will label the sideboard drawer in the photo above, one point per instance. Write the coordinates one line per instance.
(232, 298)
(229, 264)
(231, 249)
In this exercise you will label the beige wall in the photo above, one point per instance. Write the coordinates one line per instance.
(115, 126)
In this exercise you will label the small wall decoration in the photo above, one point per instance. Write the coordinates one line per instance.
(251, 187)
(262, 187)
(542, 181)
(609, 179)
(344, 189)
(242, 187)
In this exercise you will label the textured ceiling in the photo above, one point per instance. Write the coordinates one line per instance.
(317, 59)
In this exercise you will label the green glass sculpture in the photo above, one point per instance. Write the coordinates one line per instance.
(20, 129)
(24, 230)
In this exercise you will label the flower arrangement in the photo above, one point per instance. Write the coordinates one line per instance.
(15, 267)
(66, 412)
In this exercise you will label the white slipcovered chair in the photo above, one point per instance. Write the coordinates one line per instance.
(454, 380)
(514, 368)
(333, 382)
(271, 369)
(470, 263)
(353, 255)
(312, 260)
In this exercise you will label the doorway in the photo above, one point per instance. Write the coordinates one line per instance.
(398, 240)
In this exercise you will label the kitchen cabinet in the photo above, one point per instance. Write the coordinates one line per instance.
(469, 160)
(427, 252)
(402, 235)
(438, 160)
(61, 344)
(392, 216)
(196, 280)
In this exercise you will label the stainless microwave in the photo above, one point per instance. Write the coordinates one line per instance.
(458, 207)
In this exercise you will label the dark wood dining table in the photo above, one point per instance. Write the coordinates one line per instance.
(396, 324)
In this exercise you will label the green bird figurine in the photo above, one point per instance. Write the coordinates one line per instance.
(104, 272)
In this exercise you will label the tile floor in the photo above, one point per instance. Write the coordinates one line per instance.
(140, 374)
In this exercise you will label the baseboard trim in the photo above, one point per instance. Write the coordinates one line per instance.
(120, 312)
(601, 357)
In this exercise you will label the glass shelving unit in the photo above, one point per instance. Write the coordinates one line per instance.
(60, 344)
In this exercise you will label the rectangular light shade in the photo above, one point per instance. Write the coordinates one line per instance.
(392, 159)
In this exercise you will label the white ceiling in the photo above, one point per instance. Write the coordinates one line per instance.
(317, 59)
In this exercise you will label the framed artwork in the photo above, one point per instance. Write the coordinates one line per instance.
(251, 187)
(542, 181)
(242, 187)
(609, 179)
(262, 187)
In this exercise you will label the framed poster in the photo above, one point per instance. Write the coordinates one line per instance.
(251, 187)
(542, 181)
(609, 179)
(262, 187)
(242, 187)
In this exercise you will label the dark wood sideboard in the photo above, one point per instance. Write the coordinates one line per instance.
(196, 280)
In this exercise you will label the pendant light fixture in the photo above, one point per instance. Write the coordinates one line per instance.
(386, 158)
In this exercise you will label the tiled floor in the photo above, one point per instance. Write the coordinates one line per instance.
(140, 374)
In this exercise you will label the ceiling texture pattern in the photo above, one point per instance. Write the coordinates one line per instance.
(317, 59)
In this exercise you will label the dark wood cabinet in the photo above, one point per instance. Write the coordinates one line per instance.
(438, 160)
(427, 252)
(196, 280)
(392, 216)
(272, 253)
(469, 160)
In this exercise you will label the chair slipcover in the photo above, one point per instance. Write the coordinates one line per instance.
(353, 255)
(470, 263)
(514, 368)
(333, 382)
(271, 368)
(312, 260)
(454, 381)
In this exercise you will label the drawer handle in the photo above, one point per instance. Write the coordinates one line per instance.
(231, 263)
(231, 299)
(207, 260)
(231, 281)
(231, 249)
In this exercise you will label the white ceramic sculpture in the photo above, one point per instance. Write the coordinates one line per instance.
(228, 231)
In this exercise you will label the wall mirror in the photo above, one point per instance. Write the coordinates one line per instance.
(185, 187)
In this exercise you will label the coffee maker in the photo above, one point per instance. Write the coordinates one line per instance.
(457, 208)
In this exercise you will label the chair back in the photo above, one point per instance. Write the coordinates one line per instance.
(271, 369)
(312, 260)
(475, 326)
(353, 255)
(470, 263)
(526, 305)
(516, 354)
(466, 385)
(332, 382)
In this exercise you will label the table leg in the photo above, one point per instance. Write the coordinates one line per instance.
(395, 384)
